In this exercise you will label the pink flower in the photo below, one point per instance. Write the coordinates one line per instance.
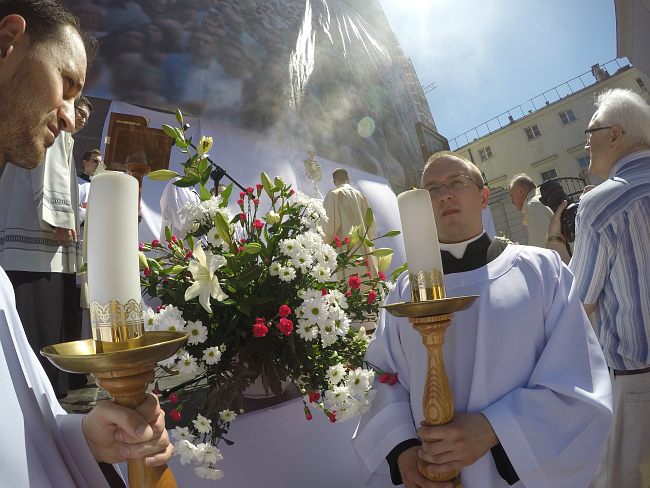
(260, 330)
(242, 194)
(174, 238)
(372, 296)
(259, 187)
(140, 247)
(240, 202)
(284, 311)
(337, 241)
(258, 224)
(250, 190)
(382, 276)
(348, 294)
(346, 240)
(292, 191)
(155, 243)
(285, 326)
(354, 281)
(256, 201)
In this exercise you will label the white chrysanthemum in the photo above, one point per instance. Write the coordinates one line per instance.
(227, 416)
(306, 330)
(215, 240)
(311, 241)
(359, 381)
(335, 374)
(326, 255)
(208, 473)
(310, 294)
(289, 247)
(336, 397)
(287, 273)
(328, 335)
(336, 298)
(187, 363)
(148, 316)
(321, 273)
(202, 424)
(186, 450)
(208, 454)
(302, 260)
(198, 333)
(314, 310)
(182, 434)
(196, 213)
(341, 321)
(211, 355)
(169, 318)
(275, 268)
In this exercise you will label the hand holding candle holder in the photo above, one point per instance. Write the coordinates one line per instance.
(121, 356)
(429, 311)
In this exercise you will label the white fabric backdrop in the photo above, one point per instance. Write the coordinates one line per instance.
(244, 155)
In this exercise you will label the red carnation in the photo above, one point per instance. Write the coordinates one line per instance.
(337, 241)
(175, 415)
(284, 310)
(348, 294)
(256, 201)
(240, 248)
(346, 240)
(384, 377)
(382, 276)
(354, 282)
(260, 320)
(188, 255)
(314, 396)
(259, 187)
(174, 238)
(147, 272)
(393, 379)
(324, 292)
(250, 190)
(155, 243)
(260, 330)
(240, 202)
(173, 397)
(285, 326)
(372, 296)
(242, 217)
(292, 191)
(332, 417)
(258, 224)
(242, 194)
(140, 247)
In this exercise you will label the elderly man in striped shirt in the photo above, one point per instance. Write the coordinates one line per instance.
(611, 262)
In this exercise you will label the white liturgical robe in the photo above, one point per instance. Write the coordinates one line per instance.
(41, 446)
(524, 355)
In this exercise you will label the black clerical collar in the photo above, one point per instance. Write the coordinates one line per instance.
(85, 177)
(475, 257)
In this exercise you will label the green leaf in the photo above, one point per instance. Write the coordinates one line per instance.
(392, 233)
(278, 182)
(368, 218)
(252, 248)
(187, 180)
(268, 186)
(225, 195)
(204, 193)
(223, 229)
(179, 116)
(382, 251)
(177, 269)
(398, 271)
(168, 233)
(162, 175)
(169, 130)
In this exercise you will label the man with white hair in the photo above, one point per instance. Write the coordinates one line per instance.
(611, 262)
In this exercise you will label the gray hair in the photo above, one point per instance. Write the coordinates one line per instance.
(523, 180)
(626, 109)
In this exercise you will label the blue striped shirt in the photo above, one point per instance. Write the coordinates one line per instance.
(611, 260)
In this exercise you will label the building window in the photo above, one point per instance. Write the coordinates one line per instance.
(532, 132)
(639, 82)
(567, 117)
(584, 162)
(549, 174)
(485, 153)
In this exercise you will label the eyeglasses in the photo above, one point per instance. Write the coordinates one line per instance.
(453, 184)
(588, 132)
(81, 113)
(96, 160)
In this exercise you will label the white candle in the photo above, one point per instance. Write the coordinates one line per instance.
(419, 231)
(112, 250)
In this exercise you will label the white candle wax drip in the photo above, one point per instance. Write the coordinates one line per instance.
(112, 239)
(419, 232)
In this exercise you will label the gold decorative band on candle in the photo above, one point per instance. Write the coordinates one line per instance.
(427, 286)
(115, 326)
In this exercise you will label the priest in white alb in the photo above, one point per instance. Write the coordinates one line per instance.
(531, 389)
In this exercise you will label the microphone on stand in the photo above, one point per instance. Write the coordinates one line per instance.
(218, 172)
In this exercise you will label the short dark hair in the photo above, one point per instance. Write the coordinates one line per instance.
(474, 172)
(340, 174)
(89, 154)
(44, 18)
(84, 102)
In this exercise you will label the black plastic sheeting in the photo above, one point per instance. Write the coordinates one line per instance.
(320, 74)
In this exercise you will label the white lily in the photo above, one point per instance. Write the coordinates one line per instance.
(206, 284)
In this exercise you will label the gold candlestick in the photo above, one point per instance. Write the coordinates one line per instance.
(124, 374)
(431, 319)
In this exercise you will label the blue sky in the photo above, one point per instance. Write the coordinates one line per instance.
(487, 56)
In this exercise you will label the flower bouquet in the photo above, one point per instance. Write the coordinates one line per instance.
(263, 299)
